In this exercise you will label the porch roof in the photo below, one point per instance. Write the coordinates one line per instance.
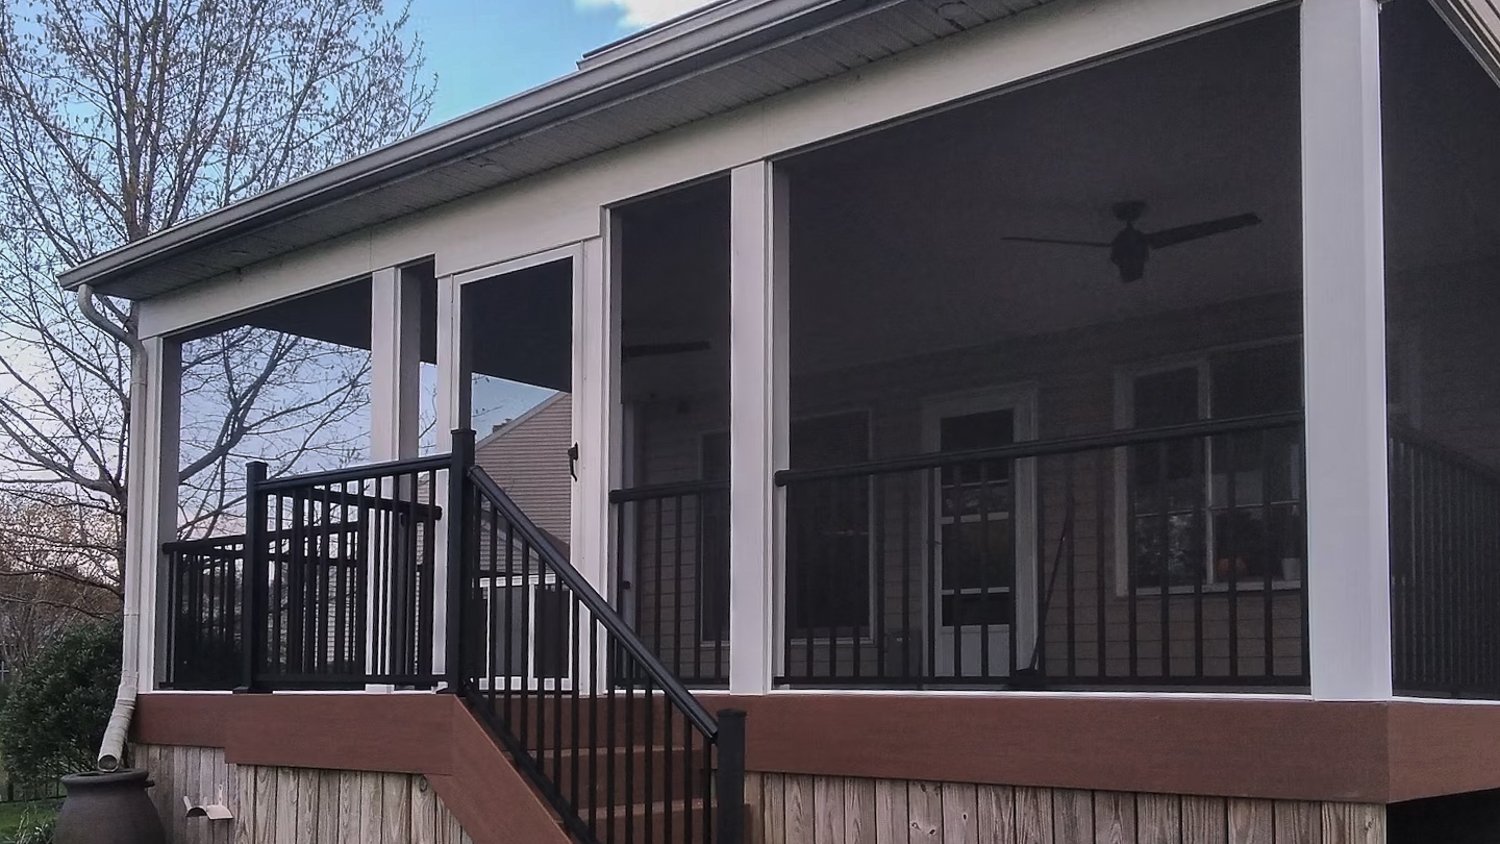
(723, 56)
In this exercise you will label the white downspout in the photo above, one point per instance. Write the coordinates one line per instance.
(112, 748)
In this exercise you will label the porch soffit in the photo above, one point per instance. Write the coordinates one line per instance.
(726, 56)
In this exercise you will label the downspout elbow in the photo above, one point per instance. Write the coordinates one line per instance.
(112, 748)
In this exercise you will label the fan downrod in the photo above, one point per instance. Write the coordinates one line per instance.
(1129, 211)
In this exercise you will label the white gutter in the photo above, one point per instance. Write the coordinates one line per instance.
(112, 748)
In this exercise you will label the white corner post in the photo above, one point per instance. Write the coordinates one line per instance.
(395, 394)
(395, 372)
(758, 377)
(1348, 567)
(156, 417)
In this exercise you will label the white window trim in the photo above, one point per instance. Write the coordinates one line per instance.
(1124, 402)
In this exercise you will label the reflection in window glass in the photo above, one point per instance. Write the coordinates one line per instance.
(273, 386)
(1210, 510)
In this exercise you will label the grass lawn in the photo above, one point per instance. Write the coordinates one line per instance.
(12, 815)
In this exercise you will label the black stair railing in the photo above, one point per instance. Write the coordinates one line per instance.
(614, 741)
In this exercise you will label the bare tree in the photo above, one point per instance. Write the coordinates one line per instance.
(119, 118)
(51, 568)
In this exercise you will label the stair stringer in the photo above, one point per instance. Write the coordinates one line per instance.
(491, 799)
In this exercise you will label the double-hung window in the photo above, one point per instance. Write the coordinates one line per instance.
(1213, 509)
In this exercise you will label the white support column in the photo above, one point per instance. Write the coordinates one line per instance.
(596, 364)
(452, 411)
(395, 377)
(395, 413)
(1348, 569)
(152, 481)
(452, 368)
(596, 370)
(758, 419)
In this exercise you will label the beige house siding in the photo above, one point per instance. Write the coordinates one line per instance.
(528, 457)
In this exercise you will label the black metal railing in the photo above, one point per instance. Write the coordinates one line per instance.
(203, 612)
(1162, 557)
(672, 574)
(1445, 569)
(343, 569)
(607, 734)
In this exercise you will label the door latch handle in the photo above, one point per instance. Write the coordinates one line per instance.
(573, 460)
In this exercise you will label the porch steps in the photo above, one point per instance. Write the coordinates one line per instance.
(614, 761)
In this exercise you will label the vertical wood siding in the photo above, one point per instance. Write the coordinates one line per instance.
(795, 809)
(292, 805)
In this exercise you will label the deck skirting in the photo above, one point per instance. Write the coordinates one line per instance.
(796, 809)
(279, 805)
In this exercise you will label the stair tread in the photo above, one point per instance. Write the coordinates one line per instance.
(635, 748)
(657, 807)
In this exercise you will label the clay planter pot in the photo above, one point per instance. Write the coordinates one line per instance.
(108, 809)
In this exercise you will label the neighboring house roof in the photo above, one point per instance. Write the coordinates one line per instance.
(528, 458)
(724, 56)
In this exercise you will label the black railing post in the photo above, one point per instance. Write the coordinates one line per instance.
(252, 577)
(461, 460)
(731, 777)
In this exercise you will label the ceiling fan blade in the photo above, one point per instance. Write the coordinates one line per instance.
(1058, 241)
(1195, 231)
(643, 350)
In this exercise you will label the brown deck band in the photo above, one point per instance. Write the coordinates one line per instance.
(1297, 749)
(432, 735)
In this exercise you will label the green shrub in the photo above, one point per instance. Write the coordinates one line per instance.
(54, 717)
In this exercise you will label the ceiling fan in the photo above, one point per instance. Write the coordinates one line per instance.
(1131, 248)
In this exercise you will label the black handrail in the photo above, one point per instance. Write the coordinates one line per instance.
(1045, 448)
(339, 581)
(559, 564)
(570, 691)
(362, 472)
(1408, 435)
(209, 542)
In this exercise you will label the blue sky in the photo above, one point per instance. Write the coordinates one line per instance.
(485, 50)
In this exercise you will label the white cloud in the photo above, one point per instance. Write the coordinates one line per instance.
(636, 13)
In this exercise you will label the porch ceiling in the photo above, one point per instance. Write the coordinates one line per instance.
(896, 246)
(725, 56)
